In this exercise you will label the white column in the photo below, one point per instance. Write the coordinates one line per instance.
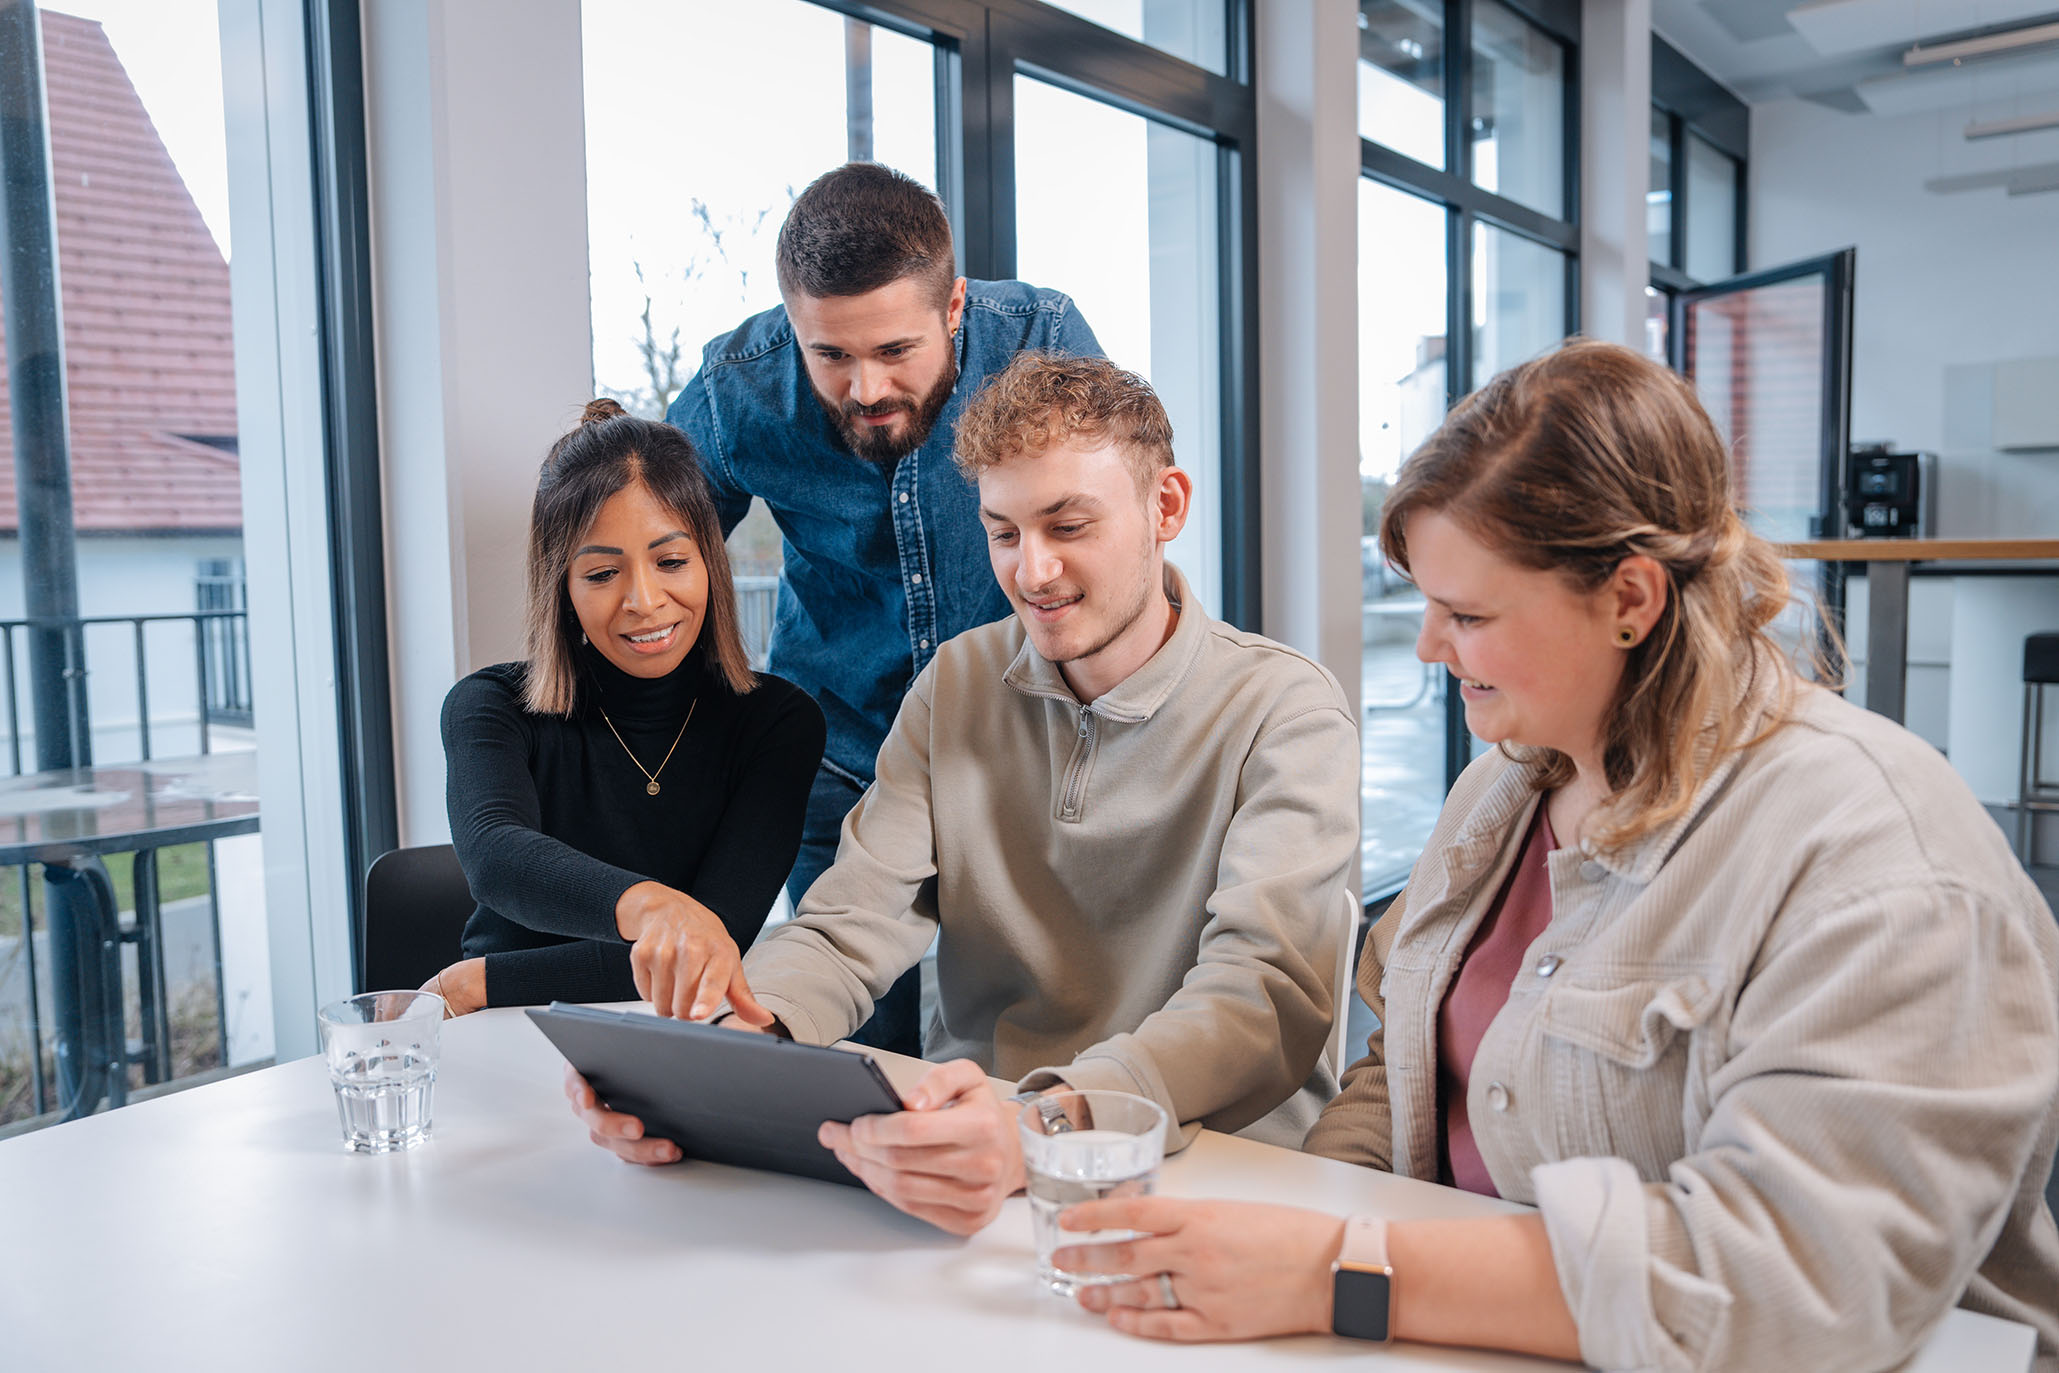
(1308, 328)
(1615, 167)
(303, 940)
(476, 119)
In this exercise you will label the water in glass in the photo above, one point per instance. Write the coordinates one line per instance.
(383, 1098)
(1085, 1165)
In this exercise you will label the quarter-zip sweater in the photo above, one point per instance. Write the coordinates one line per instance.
(552, 820)
(1144, 892)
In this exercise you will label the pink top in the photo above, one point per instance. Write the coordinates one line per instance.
(1519, 914)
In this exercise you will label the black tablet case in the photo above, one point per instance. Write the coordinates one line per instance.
(751, 1100)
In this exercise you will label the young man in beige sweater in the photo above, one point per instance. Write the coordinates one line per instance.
(1128, 826)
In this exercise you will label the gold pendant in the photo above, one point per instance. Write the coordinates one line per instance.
(652, 789)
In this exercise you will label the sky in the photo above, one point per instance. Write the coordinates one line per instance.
(173, 53)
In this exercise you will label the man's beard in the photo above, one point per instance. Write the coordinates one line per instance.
(879, 444)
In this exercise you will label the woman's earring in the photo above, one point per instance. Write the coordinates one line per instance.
(1626, 637)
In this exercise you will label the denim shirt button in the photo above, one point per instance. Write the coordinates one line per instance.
(922, 643)
(1547, 965)
(916, 579)
(1498, 1096)
(904, 498)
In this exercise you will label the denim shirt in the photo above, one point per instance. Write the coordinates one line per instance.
(882, 565)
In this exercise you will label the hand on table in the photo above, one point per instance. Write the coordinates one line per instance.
(462, 986)
(682, 957)
(1239, 1270)
(952, 1168)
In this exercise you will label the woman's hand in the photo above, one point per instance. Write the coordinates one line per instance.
(462, 986)
(682, 957)
(1239, 1271)
(622, 1135)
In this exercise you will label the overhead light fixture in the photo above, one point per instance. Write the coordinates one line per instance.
(1996, 128)
(2036, 181)
(2035, 175)
(1987, 45)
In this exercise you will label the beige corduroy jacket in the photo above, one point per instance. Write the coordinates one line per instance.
(1783, 1077)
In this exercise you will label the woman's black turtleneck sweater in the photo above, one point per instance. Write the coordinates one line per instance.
(552, 822)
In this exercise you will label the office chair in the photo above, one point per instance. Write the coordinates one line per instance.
(416, 905)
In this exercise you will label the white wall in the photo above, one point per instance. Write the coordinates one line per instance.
(1947, 286)
(1615, 167)
(1308, 330)
(476, 121)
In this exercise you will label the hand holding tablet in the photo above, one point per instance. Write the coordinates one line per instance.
(655, 1089)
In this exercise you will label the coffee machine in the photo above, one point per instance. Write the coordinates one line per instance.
(1890, 495)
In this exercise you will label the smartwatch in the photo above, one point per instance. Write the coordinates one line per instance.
(1362, 1283)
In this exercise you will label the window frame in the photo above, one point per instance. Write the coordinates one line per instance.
(1696, 105)
(1467, 204)
(981, 46)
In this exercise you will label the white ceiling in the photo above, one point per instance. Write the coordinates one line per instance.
(1848, 53)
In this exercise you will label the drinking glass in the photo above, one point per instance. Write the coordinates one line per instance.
(382, 1048)
(1086, 1146)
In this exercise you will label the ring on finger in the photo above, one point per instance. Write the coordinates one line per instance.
(1167, 1296)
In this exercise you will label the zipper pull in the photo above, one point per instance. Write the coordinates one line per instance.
(1083, 722)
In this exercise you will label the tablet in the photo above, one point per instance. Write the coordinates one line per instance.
(727, 1096)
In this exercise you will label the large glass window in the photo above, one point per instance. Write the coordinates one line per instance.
(1517, 109)
(1460, 277)
(682, 252)
(1402, 357)
(1194, 31)
(1519, 300)
(126, 963)
(1658, 196)
(1711, 211)
(1147, 276)
(1401, 76)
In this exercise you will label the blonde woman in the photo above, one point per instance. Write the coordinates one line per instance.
(627, 801)
(1734, 981)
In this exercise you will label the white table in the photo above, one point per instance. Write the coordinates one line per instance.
(225, 1228)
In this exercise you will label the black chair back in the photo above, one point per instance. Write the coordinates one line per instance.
(416, 905)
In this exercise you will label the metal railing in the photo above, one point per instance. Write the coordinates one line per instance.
(221, 673)
(756, 602)
(218, 659)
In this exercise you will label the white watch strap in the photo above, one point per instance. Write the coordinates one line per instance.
(1365, 1242)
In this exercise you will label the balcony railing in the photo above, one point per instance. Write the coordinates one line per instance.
(151, 686)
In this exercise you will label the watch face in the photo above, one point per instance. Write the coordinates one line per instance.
(1360, 1304)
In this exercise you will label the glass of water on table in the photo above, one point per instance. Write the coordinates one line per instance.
(1086, 1146)
(381, 1049)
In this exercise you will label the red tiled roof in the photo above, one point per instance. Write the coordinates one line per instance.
(147, 345)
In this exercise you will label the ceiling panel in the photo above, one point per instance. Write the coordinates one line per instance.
(1844, 26)
(1979, 84)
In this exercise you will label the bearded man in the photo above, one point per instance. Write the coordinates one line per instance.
(837, 409)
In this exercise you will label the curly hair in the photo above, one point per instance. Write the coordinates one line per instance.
(1043, 399)
(1575, 461)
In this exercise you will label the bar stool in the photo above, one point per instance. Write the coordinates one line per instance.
(2034, 792)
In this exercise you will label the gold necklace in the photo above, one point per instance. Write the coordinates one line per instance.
(652, 789)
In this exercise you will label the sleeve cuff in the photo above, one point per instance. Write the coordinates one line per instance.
(1595, 1216)
(1102, 1073)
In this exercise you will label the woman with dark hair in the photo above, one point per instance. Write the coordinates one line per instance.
(1735, 982)
(629, 799)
